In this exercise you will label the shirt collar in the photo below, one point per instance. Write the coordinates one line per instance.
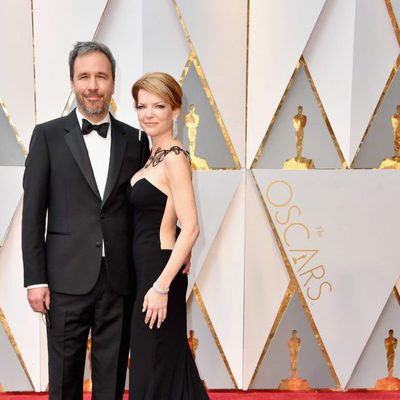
(81, 117)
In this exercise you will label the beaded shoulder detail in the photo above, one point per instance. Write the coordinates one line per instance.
(160, 154)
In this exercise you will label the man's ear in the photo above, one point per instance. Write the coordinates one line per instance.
(71, 82)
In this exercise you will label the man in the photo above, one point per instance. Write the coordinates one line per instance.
(77, 268)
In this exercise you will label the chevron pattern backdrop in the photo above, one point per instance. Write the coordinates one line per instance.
(313, 250)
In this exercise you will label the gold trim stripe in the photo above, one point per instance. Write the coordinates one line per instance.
(186, 68)
(324, 115)
(396, 294)
(294, 281)
(101, 20)
(10, 336)
(3, 320)
(218, 115)
(206, 316)
(34, 62)
(13, 127)
(393, 19)
(378, 105)
(71, 96)
(194, 58)
(281, 312)
(247, 82)
(4, 238)
(24, 152)
(68, 104)
(183, 76)
(302, 63)
(283, 99)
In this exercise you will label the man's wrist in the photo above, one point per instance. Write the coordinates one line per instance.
(39, 285)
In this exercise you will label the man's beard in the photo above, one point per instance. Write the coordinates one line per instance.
(91, 110)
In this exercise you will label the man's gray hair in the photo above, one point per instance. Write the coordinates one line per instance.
(81, 48)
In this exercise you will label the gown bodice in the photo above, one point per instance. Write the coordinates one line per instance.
(148, 204)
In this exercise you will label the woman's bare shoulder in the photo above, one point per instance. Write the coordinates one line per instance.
(177, 155)
(177, 161)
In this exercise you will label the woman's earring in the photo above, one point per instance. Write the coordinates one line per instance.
(174, 128)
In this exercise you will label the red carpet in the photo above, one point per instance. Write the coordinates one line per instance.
(253, 395)
(320, 395)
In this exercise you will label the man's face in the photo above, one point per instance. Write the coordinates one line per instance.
(93, 84)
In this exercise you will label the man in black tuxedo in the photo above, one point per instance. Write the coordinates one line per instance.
(77, 267)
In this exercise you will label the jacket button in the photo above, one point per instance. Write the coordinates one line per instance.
(98, 244)
(102, 215)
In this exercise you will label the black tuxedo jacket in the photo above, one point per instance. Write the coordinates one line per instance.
(59, 183)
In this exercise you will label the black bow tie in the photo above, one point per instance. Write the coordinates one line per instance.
(88, 127)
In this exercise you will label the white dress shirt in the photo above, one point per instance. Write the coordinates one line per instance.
(99, 150)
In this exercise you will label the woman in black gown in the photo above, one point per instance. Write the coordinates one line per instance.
(161, 193)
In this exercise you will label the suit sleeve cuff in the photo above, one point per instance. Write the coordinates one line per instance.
(39, 285)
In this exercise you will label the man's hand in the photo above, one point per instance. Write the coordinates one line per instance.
(187, 264)
(39, 299)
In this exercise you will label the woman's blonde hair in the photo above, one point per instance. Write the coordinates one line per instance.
(161, 84)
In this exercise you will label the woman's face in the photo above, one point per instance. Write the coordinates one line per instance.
(155, 114)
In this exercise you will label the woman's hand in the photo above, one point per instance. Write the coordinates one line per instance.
(156, 306)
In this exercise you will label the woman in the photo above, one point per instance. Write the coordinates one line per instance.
(161, 193)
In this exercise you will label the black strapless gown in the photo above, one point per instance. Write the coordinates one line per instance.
(162, 366)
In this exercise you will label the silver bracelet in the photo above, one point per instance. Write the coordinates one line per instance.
(159, 290)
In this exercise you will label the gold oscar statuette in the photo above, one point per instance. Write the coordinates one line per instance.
(294, 383)
(1, 388)
(299, 162)
(394, 162)
(193, 345)
(192, 121)
(87, 384)
(390, 382)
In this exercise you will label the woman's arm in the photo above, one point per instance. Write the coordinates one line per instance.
(179, 181)
(178, 174)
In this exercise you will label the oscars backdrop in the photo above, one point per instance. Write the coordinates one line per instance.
(291, 118)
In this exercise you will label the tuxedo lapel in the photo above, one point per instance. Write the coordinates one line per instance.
(118, 147)
(76, 144)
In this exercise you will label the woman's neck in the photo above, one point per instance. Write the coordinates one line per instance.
(163, 141)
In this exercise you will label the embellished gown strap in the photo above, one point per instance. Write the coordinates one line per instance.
(160, 154)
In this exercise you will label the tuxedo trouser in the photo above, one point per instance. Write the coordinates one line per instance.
(107, 316)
